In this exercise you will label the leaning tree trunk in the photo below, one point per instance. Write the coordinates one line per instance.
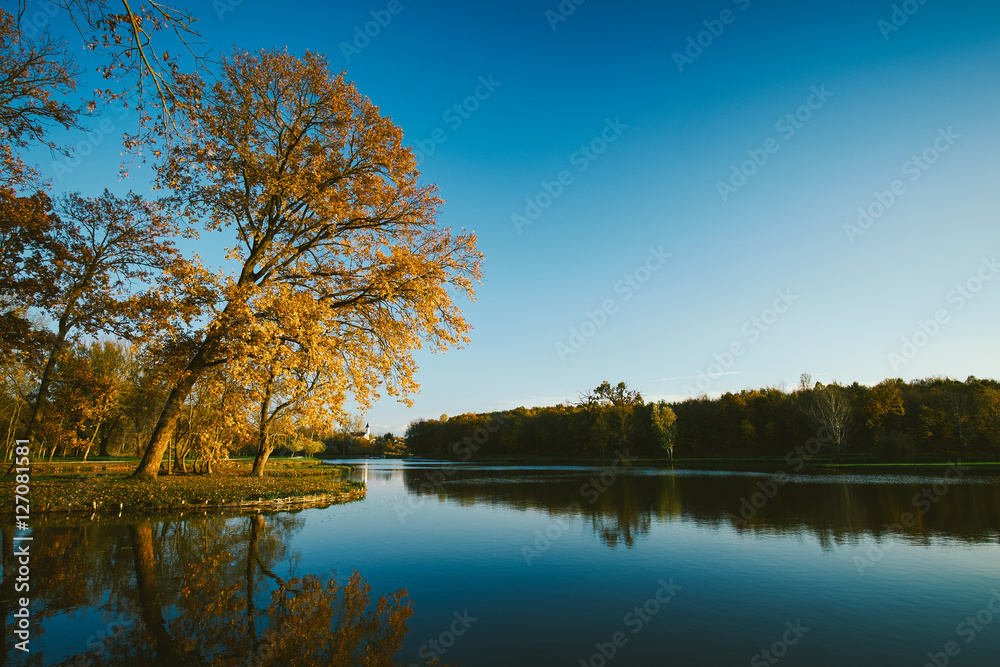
(43, 388)
(35, 412)
(256, 526)
(263, 452)
(159, 442)
(143, 552)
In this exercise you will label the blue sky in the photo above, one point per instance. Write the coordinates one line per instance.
(745, 158)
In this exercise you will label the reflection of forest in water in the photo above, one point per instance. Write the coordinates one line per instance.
(195, 591)
(835, 509)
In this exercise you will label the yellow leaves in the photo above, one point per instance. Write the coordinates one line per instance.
(339, 270)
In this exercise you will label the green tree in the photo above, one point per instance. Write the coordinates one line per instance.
(612, 413)
(664, 423)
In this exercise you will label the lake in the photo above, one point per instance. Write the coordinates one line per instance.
(525, 565)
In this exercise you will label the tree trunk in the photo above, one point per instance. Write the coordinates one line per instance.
(141, 537)
(256, 526)
(261, 460)
(159, 442)
(43, 389)
(102, 450)
(11, 437)
(106, 437)
(180, 455)
(50, 366)
(263, 450)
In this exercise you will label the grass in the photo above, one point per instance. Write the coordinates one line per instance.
(90, 487)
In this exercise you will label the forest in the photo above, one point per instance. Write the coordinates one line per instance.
(930, 419)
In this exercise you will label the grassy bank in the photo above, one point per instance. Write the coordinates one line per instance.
(103, 486)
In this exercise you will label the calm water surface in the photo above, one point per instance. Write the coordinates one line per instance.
(555, 566)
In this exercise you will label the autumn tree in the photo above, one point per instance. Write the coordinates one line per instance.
(88, 387)
(115, 364)
(290, 379)
(141, 403)
(958, 410)
(16, 384)
(217, 417)
(98, 255)
(882, 408)
(329, 223)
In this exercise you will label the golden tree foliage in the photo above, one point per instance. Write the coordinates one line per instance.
(337, 255)
(883, 402)
(89, 385)
(215, 419)
(89, 270)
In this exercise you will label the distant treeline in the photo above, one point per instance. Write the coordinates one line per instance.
(892, 421)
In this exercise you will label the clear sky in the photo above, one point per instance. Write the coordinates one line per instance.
(713, 195)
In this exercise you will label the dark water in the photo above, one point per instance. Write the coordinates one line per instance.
(547, 566)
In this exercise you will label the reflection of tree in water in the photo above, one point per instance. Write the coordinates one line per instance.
(615, 516)
(205, 591)
(616, 507)
(833, 510)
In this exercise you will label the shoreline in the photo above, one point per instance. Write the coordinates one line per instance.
(68, 488)
(760, 464)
